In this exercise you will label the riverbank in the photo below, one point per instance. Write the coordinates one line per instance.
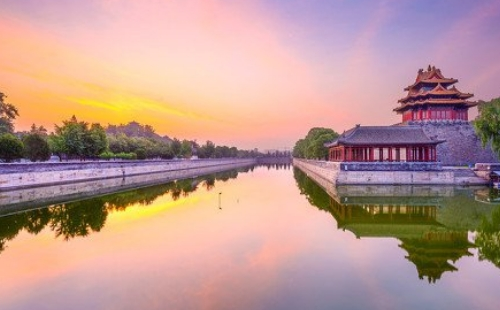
(389, 173)
(105, 178)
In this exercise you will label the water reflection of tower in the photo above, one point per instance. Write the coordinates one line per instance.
(429, 244)
(432, 253)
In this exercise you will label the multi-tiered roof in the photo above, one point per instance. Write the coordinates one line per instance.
(432, 98)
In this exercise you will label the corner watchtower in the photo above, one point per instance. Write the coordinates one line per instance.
(434, 98)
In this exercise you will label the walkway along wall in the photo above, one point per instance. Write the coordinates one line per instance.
(51, 183)
(387, 173)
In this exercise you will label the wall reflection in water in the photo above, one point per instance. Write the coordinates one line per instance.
(81, 218)
(432, 223)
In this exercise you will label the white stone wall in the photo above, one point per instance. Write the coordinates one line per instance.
(396, 177)
(11, 200)
(331, 171)
(31, 175)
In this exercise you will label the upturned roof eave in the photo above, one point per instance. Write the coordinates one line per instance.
(405, 106)
(432, 81)
(433, 93)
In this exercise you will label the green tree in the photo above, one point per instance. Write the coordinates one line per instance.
(11, 148)
(57, 145)
(176, 147)
(299, 150)
(186, 148)
(316, 147)
(164, 151)
(73, 134)
(39, 130)
(233, 152)
(141, 153)
(222, 151)
(8, 113)
(96, 141)
(207, 150)
(119, 143)
(77, 140)
(312, 146)
(487, 124)
(488, 238)
(36, 147)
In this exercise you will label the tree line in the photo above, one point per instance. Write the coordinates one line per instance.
(312, 145)
(76, 139)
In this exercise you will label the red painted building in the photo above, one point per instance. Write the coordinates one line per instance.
(383, 143)
(432, 98)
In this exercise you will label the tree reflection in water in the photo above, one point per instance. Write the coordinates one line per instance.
(488, 238)
(431, 246)
(81, 218)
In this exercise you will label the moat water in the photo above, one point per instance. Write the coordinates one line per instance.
(257, 238)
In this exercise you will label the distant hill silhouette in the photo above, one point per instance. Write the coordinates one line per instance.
(134, 129)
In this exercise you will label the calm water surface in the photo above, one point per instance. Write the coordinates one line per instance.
(265, 238)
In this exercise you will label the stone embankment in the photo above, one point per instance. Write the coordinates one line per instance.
(32, 185)
(25, 175)
(389, 173)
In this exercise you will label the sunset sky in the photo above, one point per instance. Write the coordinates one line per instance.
(245, 73)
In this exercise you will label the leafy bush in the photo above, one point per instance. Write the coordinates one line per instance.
(107, 155)
(11, 148)
(141, 154)
(36, 147)
(126, 156)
